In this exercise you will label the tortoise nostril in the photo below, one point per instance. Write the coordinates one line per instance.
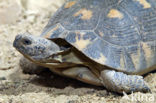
(26, 42)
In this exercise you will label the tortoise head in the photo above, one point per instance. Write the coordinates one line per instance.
(37, 49)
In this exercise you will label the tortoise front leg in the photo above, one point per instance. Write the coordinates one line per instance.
(29, 67)
(119, 82)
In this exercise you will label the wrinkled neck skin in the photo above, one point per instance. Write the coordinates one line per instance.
(65, 59)
(45, 52)
(62, 59)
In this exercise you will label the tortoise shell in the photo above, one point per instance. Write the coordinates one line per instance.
(120, 34)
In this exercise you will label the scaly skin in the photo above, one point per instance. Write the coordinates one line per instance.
(119, 82)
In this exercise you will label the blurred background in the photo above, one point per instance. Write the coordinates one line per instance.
(12, 11)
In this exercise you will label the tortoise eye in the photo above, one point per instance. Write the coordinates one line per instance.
(26, 41)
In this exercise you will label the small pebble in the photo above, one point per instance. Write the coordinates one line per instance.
(2, 78)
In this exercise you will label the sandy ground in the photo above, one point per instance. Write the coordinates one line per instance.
(18, 16)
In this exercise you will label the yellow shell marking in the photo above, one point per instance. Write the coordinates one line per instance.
(70, 4)
(50, 32)
(136, 58)
(81, 43)
(114, 36)
(102, 59)
(144, 3)
(86, 14)
(147, 51)
(122, 63)
(113, 13)
(101, 34)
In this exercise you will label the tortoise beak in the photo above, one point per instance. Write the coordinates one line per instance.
(15, 43)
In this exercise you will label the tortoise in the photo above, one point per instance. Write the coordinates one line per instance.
(110, 43)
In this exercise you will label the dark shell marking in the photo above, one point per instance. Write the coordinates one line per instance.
(120, 34)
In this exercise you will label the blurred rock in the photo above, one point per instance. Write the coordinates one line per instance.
(41, 5)
(39, 10)
(9, 11)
